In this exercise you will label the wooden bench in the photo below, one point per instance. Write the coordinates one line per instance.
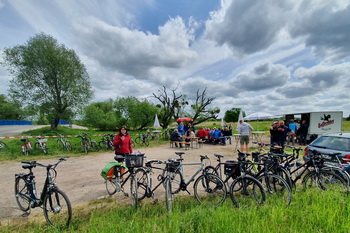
(200, 143)
(187, 144)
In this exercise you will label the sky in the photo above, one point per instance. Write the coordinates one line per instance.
(268, 56)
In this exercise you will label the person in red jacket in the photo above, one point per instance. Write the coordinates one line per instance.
(123, 144)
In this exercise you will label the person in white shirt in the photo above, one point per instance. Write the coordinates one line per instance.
(244, 131)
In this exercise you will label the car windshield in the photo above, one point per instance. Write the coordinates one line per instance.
(334, 143)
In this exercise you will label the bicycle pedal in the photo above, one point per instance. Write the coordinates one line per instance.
(25, 214)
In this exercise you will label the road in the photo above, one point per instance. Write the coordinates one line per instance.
(15, 130)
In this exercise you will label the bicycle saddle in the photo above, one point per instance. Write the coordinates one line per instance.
(179, 153)
(218, 156)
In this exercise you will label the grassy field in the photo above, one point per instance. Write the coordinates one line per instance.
(310, 211)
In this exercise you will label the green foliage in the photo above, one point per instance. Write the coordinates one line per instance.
(48, 77)
(311, 211)
(233, 115)
(10, 110)
(100, 115)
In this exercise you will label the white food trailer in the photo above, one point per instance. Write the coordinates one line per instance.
(319, 122)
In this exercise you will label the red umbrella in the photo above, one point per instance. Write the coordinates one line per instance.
(184, 119)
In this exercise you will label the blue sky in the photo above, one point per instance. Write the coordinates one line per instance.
(260, 55)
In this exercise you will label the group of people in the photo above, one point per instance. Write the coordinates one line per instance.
(282, 134)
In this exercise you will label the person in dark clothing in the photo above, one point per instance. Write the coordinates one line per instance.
(274, 137)
(175, 137)
(304, 127)
(283, 131)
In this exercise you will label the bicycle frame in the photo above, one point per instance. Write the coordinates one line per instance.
(181, 169)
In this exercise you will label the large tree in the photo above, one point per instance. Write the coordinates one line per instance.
(233, 114)
(48, 76)
(10, 110)
(200, 108)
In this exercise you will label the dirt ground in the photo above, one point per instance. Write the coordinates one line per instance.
(80, 177)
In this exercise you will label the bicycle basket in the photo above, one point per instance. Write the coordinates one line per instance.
(172, 165)
(134, 160)
(232, 168)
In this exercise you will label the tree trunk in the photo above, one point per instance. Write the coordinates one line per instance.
(54, 124)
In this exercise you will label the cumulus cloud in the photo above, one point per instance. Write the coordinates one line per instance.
(264, 76)
(133, 52)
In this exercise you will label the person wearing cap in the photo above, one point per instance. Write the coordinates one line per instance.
(244, 131)
(293, 127)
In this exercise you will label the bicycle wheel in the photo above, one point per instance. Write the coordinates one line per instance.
(2, 145)
(68, 146)
(115, 184)
(133, 190)
(142, 183)
(94, 146)
(251, 192)
(44, 148)
(110, 145)
(103, 145)
(168, 194)
(146, 141)
(84, 146)
(210, 190)
(22, 194)
(339, 172)
(176, 178)
(326, 181)
(25, 150)
(138, 140)
(57, 209)
(211, 170)
(277, 189)
(60, 143)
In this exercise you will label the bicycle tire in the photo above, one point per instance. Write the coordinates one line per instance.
(277, 187)
(110, 145)
(138, 140)
(176, 178)
(94, 146)
(44, 148)
(211, 170)
(210, 190)
(25, 151)
(146, 141)
(133, 191)
(250, 187)
(115, 184)
(85, 147)
(36, 145)
(60, 143)
(103, 145)
(142, 183)
(68, 146)
(2, 145)
(325, 180)
(22, 194)
(57, 209)
(168, 194)
(340, 172)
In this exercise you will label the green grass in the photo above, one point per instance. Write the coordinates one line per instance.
(311, 211)
(13, 149)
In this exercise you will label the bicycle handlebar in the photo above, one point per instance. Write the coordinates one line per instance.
(34, 163)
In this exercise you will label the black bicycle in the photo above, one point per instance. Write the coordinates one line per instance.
(54, 202)
(142, 139)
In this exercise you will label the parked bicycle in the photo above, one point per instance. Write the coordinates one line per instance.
(209, 189)
(25, 146)
(2, 145)
(55, 203)
(107, 142)
(41, 144)
(86, 143)
(63, 142)
(120, 173)
(142, 139)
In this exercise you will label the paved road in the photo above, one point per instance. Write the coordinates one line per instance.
(16, 130)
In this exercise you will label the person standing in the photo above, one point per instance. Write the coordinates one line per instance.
(274, 138)
(244, 130)
(292, 126)
(283, 132)
(304, 128)
(123, 144)
(181, 128)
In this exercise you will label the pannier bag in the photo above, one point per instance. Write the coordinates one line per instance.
(232, 168)
(108, 171)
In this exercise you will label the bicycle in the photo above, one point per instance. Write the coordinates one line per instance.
(86, 143)
(209, 189)
(145, 182)
(26, 146)
(120, 175)
(41, 143)
(55, 203)
(142, 139)
(2, 145)
(273, 184)
(63, 142)
(107, 142)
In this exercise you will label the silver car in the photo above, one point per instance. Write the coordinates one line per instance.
(330, 144)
